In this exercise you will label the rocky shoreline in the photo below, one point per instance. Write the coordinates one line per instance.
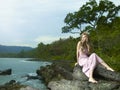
(63, 75)
(59, 76)
(6, 72)
(13, 85)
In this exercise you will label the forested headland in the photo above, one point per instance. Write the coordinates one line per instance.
(102, 22)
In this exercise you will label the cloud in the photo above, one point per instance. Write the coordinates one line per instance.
(29, 22)
(49, 39)
(46, 39)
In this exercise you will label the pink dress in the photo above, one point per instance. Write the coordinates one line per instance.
(88, 62)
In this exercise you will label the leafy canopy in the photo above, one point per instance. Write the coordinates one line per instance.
(90, 16)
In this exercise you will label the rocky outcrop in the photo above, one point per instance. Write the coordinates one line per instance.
(83, 85)
(54, 72)
(28, 88)
(6, 72)
(29, 77)
(59, 78)
(101, 71)
(13, 85)
(78, 75)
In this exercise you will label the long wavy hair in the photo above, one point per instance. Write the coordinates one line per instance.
(86, 44)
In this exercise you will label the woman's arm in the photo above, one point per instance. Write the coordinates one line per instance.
(77, 51)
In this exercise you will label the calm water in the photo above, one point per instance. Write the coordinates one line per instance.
(21, 67)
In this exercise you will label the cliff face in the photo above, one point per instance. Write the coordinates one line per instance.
(59, 78)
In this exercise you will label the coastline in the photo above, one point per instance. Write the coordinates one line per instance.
(63, 75)
(23, 73)
(60, 76)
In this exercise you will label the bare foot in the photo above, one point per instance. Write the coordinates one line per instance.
(92, 80)
(110, 69)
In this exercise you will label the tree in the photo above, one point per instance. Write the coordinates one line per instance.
(21, 54)
(90, 16)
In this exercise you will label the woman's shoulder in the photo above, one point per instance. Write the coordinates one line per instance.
(79, 42)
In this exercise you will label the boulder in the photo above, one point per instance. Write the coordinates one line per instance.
(83, 85)
(6, 72)
(78, 75)
(62, 71)
(11, 85)
(101, 71)
(28, 88)
(29, 77)
(107, 80)
(54, 72)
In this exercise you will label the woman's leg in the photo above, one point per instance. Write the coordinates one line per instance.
(102, 62)
(94, 59)
(93, 63)
(106, 66)
(91, 79)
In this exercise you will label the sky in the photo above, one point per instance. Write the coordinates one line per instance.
(29, 22)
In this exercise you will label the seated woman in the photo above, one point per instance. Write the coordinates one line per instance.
(88, 61)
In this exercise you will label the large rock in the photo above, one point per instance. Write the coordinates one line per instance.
(107, 80)
(6, 72)
(78, 75)
(54, 72)
(28, 88)
(29, 77)
(62, 71)
(100, 70)
(82, 85)
(11, 85)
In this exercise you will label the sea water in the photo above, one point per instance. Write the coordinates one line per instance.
(20, 68)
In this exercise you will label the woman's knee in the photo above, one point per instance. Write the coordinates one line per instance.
(93, 57)
(93, 54)
(96, 58)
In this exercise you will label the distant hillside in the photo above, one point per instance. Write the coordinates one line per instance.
(13, 49)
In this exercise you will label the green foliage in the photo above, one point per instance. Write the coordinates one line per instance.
(8, 55)
(91, 14)
(108, 49)
(109, 42)
(103, 24)
(63, 49)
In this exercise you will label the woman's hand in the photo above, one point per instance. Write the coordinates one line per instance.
(76, 63)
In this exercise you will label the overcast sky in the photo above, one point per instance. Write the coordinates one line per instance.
(29, 22)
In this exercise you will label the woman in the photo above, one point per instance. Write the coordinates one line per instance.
(87, 60)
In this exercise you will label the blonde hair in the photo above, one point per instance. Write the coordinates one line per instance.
(86, 44)
(84, 33)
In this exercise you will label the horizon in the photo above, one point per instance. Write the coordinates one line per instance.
(15, 46)
(37, 45)
(28, 22)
